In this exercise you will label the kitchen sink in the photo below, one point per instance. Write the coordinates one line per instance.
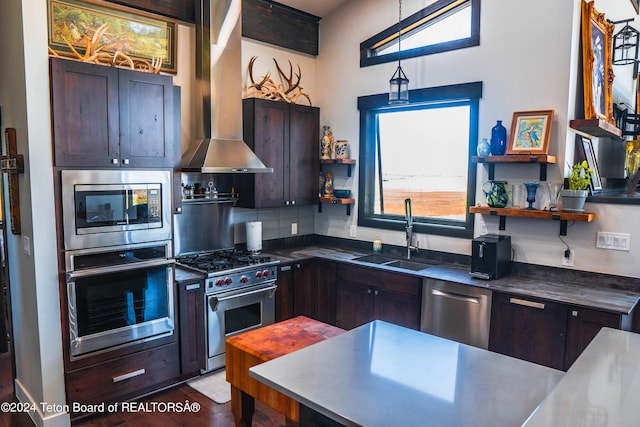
(375, 259)
(393, 262)
(409, 265)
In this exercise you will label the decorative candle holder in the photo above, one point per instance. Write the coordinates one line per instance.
(532, 188)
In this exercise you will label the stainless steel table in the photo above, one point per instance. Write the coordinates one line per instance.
(381, 374)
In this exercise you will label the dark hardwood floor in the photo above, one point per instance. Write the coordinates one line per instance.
(210, 414)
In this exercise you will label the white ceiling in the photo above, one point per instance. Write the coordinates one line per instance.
(319, 8)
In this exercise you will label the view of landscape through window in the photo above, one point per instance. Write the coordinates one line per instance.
(423, 155)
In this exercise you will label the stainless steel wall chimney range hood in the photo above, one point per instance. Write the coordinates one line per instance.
(219, 77)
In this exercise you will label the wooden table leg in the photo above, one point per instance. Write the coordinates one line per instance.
(242, 407)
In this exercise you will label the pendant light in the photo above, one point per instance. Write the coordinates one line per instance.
(399, 83)
(625, 45)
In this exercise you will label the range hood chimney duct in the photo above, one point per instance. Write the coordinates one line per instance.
(219, 82)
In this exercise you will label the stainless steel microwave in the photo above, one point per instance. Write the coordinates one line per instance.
(115, 207)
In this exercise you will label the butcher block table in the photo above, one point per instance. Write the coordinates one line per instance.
(260, 345)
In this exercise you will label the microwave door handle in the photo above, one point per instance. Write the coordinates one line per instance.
(126, 211)
(123, 267)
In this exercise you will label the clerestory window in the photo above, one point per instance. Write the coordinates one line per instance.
(422, 151)
(442, 26)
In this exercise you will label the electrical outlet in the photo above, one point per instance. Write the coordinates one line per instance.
(568, 261)
(294, 228)
(353, 230)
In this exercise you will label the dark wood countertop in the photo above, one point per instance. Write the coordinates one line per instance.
(602, 292)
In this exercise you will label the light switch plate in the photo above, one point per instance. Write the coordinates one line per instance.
(614, 241)
(294, 228)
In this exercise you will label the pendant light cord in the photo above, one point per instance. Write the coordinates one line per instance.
(399, 29)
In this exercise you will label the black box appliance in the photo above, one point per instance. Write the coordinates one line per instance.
(490, 256)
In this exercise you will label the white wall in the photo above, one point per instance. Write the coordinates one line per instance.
(24, 97)
(527, 60)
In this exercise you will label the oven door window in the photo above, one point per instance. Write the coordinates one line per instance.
(241, 318)
(110, 205)
(110, 301)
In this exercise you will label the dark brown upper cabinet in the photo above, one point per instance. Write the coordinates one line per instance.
(111, 117)
(286, 138)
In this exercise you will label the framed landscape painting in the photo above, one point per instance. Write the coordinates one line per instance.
(597, 67)
(135, 33)
(530, 132)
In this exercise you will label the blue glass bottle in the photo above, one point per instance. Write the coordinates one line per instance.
(498, 139)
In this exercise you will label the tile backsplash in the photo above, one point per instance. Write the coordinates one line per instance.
(276, 222)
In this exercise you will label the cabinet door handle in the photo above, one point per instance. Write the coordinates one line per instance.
(286, 202)
(285, 268)
(128, 375)
(125, 161)
(192, 287)
(526, 303)
(574, 313)
(114, 161)
(368, 291)
(376, 292)
(298, 266)
(293, 202)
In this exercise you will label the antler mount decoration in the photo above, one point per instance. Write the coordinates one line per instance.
(287, 91)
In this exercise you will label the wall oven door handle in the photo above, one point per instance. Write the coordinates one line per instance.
(71, 275)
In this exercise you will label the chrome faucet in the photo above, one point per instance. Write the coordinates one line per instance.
(409, 227)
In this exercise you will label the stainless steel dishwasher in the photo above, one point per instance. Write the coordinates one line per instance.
(457, 312)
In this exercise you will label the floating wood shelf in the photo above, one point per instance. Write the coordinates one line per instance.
(596, 127)
(542, 159)
(336, 201)
(561, 216)
(348, 162)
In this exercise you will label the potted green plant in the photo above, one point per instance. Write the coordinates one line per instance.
(574, 197)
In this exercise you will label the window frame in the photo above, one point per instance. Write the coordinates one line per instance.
(370, 106)
(368, 58)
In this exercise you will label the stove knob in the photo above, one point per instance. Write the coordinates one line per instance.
(265, 273)
(244, 279)
(219, 282)
(259, 274)
(228, 281)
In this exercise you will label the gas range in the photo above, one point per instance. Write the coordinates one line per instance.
(230, 269)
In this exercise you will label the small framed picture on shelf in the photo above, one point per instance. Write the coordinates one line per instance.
(590, 157)
(530, 132)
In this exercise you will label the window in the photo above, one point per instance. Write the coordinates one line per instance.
(442, 26)
(422, 151)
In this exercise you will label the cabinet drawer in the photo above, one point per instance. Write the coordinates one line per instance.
(380, 279)
(124, 377)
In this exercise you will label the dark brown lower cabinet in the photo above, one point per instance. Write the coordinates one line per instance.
(306, 288)
(545, 332)
(367, 294)
(125, 377)
(582, 327)
(529, 329)
(191, 325)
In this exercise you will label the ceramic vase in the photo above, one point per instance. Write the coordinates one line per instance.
(496, 193)
(342, 149)
(484, 148)
(498, 139)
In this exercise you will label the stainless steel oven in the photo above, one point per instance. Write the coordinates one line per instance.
(239, 295)
(115, 207)
(235, 311)
(119, 296)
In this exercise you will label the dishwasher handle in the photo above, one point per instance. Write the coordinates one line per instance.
(455, 296)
